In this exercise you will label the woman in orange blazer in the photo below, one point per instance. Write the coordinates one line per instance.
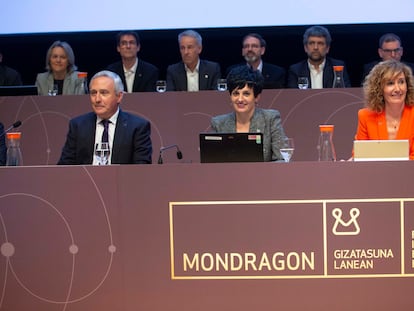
(389, 101)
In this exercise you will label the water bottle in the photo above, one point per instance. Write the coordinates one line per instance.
(338, 77)
(14, 155)
(326, 147)
(84, 76)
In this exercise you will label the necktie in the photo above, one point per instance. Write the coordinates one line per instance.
(105, 124)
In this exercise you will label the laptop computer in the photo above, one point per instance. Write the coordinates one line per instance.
(381, 150)
(18, 90)
(231, 147)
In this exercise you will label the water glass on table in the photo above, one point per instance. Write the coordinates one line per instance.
(222, 85)
(161, 86)
(303, 83)
(53, 91)
(102, 153)
(288, 146)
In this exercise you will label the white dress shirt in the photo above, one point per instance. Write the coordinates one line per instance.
(316, 75)
(130, 76)
(192, 78)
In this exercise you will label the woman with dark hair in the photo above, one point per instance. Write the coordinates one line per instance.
(389, 101)
(61, 77)
(245, 86)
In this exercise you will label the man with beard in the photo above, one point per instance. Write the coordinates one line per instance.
(253, 48)
(318, 68)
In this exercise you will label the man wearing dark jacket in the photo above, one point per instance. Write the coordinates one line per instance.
(318, 68)
(136, 74)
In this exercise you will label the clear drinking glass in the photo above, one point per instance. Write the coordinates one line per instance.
(53, 91)
(222, 85)
(288, 146)
(161, 86)
(303, 83)
(102, 153)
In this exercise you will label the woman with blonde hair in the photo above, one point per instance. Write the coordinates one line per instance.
(389, 101)
(61, 77)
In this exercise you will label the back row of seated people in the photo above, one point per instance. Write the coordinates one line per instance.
(193, 73)
(388, 114)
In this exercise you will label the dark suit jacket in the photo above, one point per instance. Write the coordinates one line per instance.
(131, 145)
(209, 73)
(3, 149)
(301, 69)
(274, 76)
(369, 66)
(145, 76)
(9, 76)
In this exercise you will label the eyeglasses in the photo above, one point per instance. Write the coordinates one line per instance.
(252, 46)
(395, 51)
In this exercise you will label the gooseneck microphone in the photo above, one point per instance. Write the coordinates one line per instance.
(162, 149)
(13, 126)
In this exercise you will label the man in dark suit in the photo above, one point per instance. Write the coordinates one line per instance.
(253, 48)
(129, 136)
(136, 74)
(3, 148)
(8, 76)
(389, 47)
(318, 68)
(192, 74)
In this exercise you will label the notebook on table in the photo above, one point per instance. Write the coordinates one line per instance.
(381, 150)
(231, 147)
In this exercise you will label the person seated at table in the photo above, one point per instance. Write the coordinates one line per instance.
(192, 73)
(3, 149)
(245, 86)
(129, 136)
(61, 75)
(137, 75)
(253, 49)
(389, 101)
(8, 76)
(318, 67)
(389, 47)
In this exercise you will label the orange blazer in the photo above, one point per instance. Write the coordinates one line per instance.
(372, 125)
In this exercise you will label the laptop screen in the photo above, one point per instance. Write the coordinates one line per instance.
(231, 147)
(18, 90)
(381, 150)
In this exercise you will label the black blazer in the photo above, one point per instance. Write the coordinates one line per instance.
(274, 76)
(301, 69)
(3, 149)
(145, 77)
(209, 73)
(369, 66)
(131, 145)
(9, 76)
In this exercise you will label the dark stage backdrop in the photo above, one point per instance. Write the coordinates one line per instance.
(356, 44)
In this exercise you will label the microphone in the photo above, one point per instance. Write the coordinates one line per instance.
(13, 126)
(162, 149)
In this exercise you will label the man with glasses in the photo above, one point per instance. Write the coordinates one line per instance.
(318, 67)
(253, 48)
(136, 74)
(390, 47)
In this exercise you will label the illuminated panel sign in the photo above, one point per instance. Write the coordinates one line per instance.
(292, 239)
